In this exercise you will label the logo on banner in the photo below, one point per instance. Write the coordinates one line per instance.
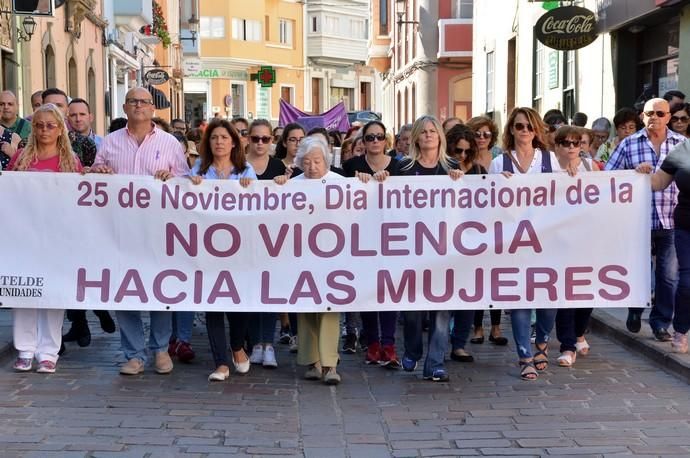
(156, 77)
(567, 28)
(21, 286)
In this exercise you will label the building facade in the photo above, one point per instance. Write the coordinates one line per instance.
(422, 52)
(640, 43)
(336, 37)
(235, 42)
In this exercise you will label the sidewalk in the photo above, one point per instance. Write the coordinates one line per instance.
(607, 322)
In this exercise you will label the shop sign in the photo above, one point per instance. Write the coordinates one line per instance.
(213, 73)
(567, 28)
(192, 66)
(156, 77)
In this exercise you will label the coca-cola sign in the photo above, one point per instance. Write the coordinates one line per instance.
(156, 77)
(567, 28)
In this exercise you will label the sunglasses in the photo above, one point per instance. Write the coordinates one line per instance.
(569, 144)
(521, 126)
(554, 127)
(659, 114)
(45, 125)
(372, 137)
(256, 139)
(295, 140)
(485, 135)
(679, 119)
(459, 151)
(244, 132)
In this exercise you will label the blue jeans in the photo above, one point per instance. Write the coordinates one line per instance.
(520, 320)
(665, 278)
(462, 324)
(132, 333)
(438, 338)
(681, 319)
(182, 323)
(262, 327)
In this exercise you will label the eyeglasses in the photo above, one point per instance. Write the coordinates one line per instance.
(257, 139)
(679, 119)
(244, 132)
(46, 125)
(459, 151)
(521, 126)
(485, 135)
(372, 137)
(554, 127)
(296, 140)
(659, 113)
(569, 144)
(135, 102)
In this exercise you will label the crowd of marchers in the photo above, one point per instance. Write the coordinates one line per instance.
(57, 137)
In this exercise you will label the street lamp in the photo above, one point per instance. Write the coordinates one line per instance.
(193, 23)
(28, 26)
(401, 12)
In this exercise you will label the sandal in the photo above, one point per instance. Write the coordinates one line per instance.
(567, 359)
(541, 357)
(528, 371)
(582, 348)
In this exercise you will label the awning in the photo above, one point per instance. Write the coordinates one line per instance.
(160, 100)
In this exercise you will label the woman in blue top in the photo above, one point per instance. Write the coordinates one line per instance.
(221, 157)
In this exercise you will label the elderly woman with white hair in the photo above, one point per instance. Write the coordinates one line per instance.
(318, 332)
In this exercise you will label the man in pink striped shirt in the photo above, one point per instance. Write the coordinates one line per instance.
(142, 149)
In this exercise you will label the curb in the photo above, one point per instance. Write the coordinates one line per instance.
(610, 326)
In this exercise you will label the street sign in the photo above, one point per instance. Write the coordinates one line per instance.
(567, 28)
(156, 76)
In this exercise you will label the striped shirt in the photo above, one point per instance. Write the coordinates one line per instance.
(636, 149)
(159, 151)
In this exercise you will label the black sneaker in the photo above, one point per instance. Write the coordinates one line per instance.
(106, 321)
(350, 344)
(78, 333)
(662, 335)
(634, 321)
(284, 335)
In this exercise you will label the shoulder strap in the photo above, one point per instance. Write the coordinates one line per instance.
(508, 163)
(546, 162)
(586, 164)
(20, 125)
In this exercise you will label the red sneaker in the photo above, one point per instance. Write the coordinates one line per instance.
(373, 353)
(388, 358)
(184, 352)
(172, 346)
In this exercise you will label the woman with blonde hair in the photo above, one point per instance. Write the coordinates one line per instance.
(38, 332)
(525, 152)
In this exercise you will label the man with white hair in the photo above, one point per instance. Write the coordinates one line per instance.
(652, 144)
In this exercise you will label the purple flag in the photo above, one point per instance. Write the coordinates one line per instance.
(333, 119)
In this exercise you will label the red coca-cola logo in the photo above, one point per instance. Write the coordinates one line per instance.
(567, 28)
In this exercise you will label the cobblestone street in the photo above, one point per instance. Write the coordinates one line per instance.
(612, 402)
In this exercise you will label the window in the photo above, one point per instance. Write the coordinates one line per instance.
(286, 27)
(383, 17)
(490, 65)
(287, 93)
(569, 84)
(246, 29)
(357, 28)
(314, 23)
(49, 57)
(538, 88)
(332, 25)
(238, 100)
(462, 9)
(73, 78)
(212, 27)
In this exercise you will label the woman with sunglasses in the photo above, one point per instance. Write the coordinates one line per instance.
(680, 118)
(286, 148)
(222, 158)
(428, 156)
(38, 332)
(262, 324)
(525, 152)
(572, 323)
(379, 327)
(486, 135)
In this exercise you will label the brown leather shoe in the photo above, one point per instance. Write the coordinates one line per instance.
(132, 367)
(163, 363)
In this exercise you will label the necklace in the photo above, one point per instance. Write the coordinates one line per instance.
(224, 172)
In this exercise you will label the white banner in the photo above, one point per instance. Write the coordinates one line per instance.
(126, 242)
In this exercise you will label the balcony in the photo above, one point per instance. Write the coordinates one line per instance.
(133, 14)
(455, 39)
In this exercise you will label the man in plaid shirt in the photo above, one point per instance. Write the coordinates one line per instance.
(652, 144)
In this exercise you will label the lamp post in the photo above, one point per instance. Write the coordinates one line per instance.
(27, 30)
(193, 23)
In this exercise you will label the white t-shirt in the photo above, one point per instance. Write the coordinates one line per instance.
(535, 167)
(329, 176)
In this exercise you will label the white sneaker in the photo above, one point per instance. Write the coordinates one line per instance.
(270, 357)
(257, 356)
(293, 344)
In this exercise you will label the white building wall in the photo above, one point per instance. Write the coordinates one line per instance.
(494, 27)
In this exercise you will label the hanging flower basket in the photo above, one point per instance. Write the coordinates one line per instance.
(160, 28)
